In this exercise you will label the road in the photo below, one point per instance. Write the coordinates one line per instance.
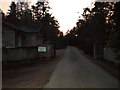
(75, 70)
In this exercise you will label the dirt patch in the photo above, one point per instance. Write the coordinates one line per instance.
(34, 74)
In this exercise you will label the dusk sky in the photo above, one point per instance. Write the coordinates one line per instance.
(66, 12)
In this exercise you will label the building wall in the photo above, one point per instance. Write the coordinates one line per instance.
(18, 45)
(28, 39)
(18, 39)
(16, 54)
(8, 37)
(26, 53)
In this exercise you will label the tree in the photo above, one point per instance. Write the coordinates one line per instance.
(116, 16)
(40, 10)
(87, 14)
(24, 13)
(49, 24)
(12, 15)
(50, 28)
(115, 32)
(93, 27)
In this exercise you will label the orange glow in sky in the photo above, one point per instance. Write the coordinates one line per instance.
(66, 12)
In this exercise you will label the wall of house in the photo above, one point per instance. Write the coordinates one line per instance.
(28, 39)
(18, 45)
(16, 54)
(26, 53)
(8, 37)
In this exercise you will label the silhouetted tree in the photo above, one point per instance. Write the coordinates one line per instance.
(40, 10)
(12, 15)
(24, 12)
(116, 15)
(115, 32)
(49, 24)
(94, 26)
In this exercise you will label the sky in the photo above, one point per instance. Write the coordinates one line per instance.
(66, 12)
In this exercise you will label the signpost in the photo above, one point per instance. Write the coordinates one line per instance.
(46, 51)
(42, 49)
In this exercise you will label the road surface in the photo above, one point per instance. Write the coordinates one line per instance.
(75, 70)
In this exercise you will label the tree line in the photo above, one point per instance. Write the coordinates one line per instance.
(100, 23)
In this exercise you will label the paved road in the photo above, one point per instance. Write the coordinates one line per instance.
(76, 71)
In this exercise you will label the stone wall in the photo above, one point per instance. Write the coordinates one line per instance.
(8, 37)
(109, 55)
(26, 53)
(16, 54)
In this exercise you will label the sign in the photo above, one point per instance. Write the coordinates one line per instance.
(41, 49)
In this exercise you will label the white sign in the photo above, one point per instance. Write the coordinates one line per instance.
(41, 49)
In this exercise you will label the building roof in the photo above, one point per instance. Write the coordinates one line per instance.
(30, 28)
(23, 28)
(10, 26)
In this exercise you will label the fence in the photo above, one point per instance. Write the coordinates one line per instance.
(110, 55)
(21, 53)
(27, 53)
